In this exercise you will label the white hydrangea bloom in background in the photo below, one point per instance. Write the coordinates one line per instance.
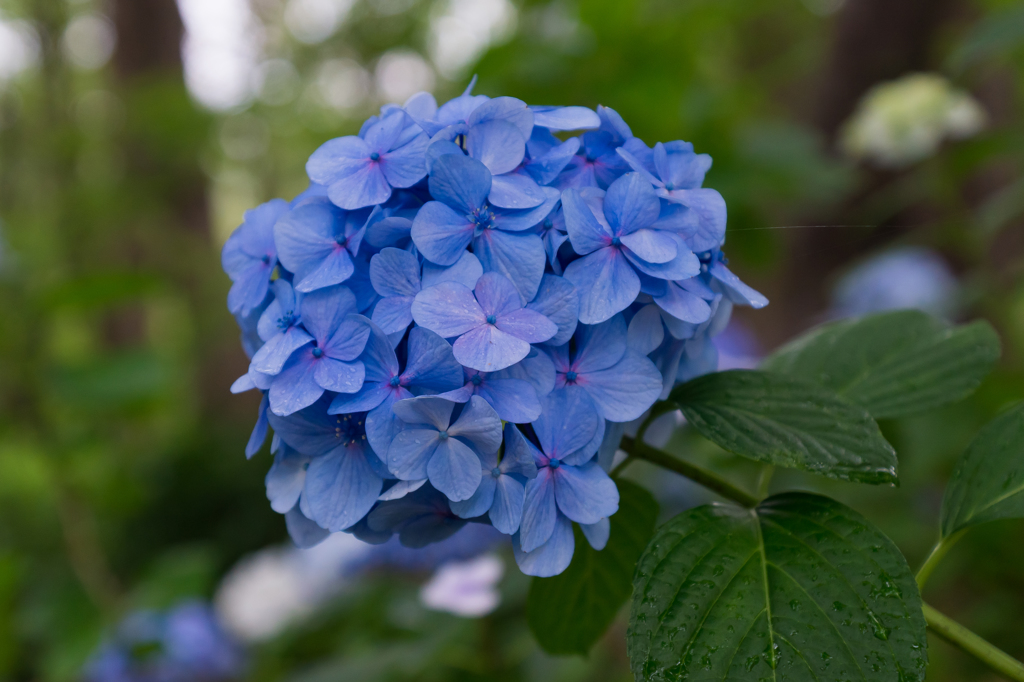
(904, 121)
(465, 588)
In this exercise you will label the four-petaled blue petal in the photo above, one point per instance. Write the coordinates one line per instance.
(250, 256)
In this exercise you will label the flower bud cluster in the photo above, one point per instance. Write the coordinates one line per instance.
(466, 303)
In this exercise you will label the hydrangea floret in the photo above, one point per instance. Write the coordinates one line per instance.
(460, 315)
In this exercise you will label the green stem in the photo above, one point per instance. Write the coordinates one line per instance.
(939, 551)
(641, 450)
(954, 633)
(764, 480)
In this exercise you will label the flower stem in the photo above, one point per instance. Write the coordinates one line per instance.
(954, 633)
(641, 450)
(939, 551)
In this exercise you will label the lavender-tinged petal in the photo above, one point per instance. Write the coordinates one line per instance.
(421, 105)
(285, 481)
(521, 456)
(393, 314)
(295, 387)
(519, 257)
(517, 220)
(271, 358)
(379, 357)
(382, 424)
(545, 168)
(683, 305)
(697, 286)
(514, 400)
(337, 159)
(515, 192)
(448, 309)
(679, 166)
(539, 511)
(405, 166)
(440, 233)
(481, 501)
(324, 310)
(631, 204)
(597, 534)
(627, 390)
(507, 506)
(400, 490)
(243, 383)
(586, 233)
(395, 272)
(335, 268)
(382, 134)
(310, 432)
(259, 432)
(442, 144)
(479, 425)
(508, 109)
(585, 494)
(389, 231)
(340, 488)
(458, 395)
(338, 376)
(638, 165)
(304, 533)
(586, 453)
(605, 282)
(737, 291)
(551, 558)
(710, 208)
(454, 469)
(489, 349)
(567, 423)
(537, 369)
(565, 118)
(654, 246)
(496, 294)
(430, 410)
(460, 182)
(684, 265)
(365, 187)
(609, 444)
(250, 287)
(431, 367)
(465, 271)
(646, 332)
(498, 145)
(527, 325)
(558, 301)
(348, 340)
(410, 451)
(365, 399)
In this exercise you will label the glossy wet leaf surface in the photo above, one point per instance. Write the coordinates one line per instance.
(892, 364)
(569, 612)
(988, 481)
(800, 588)
(787, 422)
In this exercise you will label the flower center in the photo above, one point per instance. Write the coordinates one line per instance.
(443, 435)
(492, 319)
(570, 376)
(395, 381)
(483, 218)
(374, 156)
(495, 472)
(287, 320)
(266, 260)
(616, 241)
(669, 186)
(548, 224)
(350, 429)
(317, 352)
(555, 463)
(476, 380)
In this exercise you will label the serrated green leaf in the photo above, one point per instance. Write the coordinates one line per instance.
(892, 364)
(787, 422)
(569, 612)
(802, 588)
(988, 482)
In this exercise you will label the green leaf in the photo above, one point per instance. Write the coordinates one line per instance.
(784, 421)
(569, 612)
(802, 588)
(988, 482)
(892, 364)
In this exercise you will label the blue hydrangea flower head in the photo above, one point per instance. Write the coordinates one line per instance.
(250, 256)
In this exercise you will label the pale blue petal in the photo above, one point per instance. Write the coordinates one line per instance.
(284, 482)
(382, 424)
(545, 168)
(380, 135)
(324, 310)
(440, 233)
(565, 118)
(410, 452)
(496, 294)
(515, 191)
(539, 511)
(340, 488)
(646, 332)
(654, 246)
(489, 349)
(337, 159)
(393, 314)
(401, 489)
(365, 187)
(304, 533)
(481, 501)
(479, 425)
(337, 375)
(630, 204)
(431, 410)
(683, 305)
(567, 423)
(638, 165)
(465, 271)
(405, 165)
(627, 390)
(348, 340)
(514, 400)
(460, 182)
(365, 399)
(448, 309)
(259, 432)
(310, 431)
(395, 272)
(507, 507)
(597, 533)
(454, 469)
(518, 256)
(585, 494)
(678, 166)
(295, 387)
(710, 208)
(521, 456)
(586, 453)
(558, 301)
(605, 282)
(737, 291)
(527, 325)
(610, 444)
(536, 368)
(243, 383)
(683, 266)
(586, 233)
(551, 558)
(507, 109)
(517, 220)
(498, 145)
(379, 357)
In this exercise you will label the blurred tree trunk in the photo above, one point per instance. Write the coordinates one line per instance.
(149, 36)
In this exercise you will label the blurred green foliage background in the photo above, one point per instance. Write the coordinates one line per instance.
(122, 477)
